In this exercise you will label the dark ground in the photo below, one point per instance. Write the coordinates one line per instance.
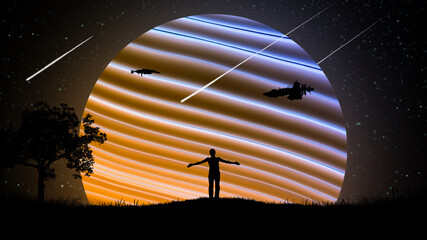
(230, 217)
(223, 207)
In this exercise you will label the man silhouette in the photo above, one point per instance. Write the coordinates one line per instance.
(214, 174)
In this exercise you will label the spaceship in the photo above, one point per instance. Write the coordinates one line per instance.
(143, 71)
(293, 93)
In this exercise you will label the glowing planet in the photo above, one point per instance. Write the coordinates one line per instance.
(288, 150)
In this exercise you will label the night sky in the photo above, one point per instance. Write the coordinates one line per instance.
(378, 78)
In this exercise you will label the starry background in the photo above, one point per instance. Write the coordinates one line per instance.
(379, 78)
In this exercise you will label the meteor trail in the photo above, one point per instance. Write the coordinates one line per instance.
(54, 61)
(247, 59)
(348, 41)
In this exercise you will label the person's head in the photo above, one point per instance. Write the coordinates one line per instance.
(212, 152)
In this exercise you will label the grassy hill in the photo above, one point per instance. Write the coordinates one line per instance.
(221, 205)
(224, 213)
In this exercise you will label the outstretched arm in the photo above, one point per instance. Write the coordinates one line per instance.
(197, 163)
(229, 162)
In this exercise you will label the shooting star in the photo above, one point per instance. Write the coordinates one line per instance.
(247, 59)
(54, 61)
(348, 42)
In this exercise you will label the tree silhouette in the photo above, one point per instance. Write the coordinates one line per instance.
(48, 134)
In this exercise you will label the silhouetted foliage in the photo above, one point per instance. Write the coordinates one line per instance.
(48, 134)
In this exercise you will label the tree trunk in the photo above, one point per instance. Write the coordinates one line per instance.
(40, 190)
